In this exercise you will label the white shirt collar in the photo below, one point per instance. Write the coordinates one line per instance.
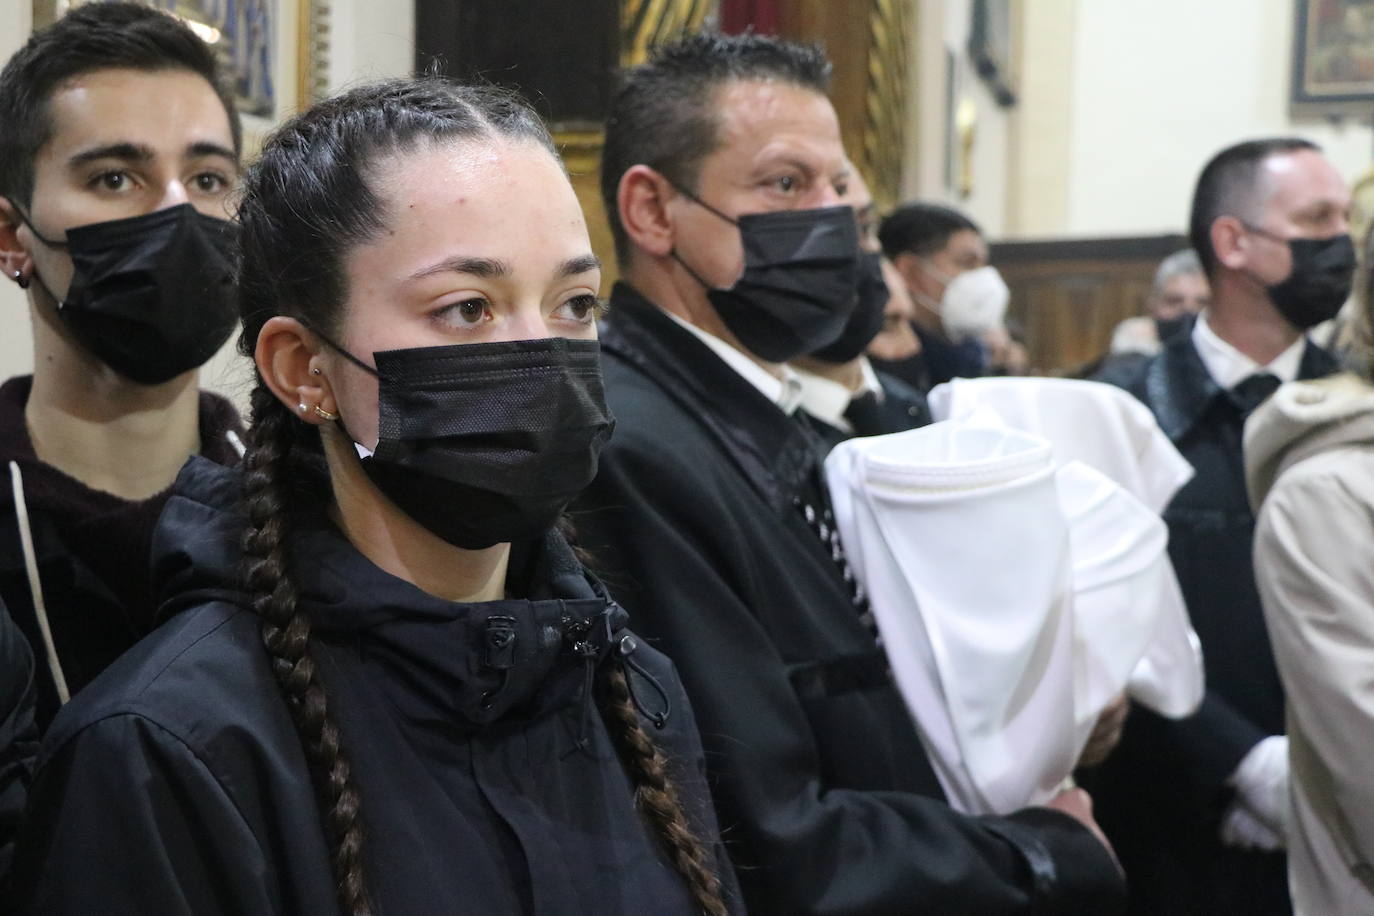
(786, 392)
(827, 400)
(1228, 367)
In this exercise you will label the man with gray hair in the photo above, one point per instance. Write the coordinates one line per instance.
(1197, 807)
(1179, 292)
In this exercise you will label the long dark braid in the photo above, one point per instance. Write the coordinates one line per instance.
(655, 792)
(307, 203)
(286, 636)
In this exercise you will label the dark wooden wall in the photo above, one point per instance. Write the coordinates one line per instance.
(1069, 295)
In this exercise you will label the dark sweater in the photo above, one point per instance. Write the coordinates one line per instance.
(92, 549)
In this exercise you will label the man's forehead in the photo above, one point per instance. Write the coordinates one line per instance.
(755, 114)
(1300, 177)
(174, 108)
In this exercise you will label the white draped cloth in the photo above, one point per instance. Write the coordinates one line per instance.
(1016, 564)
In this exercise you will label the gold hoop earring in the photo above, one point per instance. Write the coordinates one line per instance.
(324, 414)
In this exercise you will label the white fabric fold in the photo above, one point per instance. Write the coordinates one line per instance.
(1107, 429)
(1017, 590)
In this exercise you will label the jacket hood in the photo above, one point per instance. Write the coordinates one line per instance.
(440, 660)
(1302, 419)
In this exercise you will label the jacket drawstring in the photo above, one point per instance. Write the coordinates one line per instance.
(40, 607)
(625, 650)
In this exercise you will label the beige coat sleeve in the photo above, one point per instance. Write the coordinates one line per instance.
(1315, 569)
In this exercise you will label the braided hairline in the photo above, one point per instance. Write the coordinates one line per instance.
(655, 792)
(286, 637)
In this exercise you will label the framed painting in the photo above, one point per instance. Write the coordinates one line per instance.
(1333, 56)
(275, 51)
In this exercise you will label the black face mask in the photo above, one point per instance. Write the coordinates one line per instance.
(151, 296)
(1168, 327)
(1323, 272)
(867, 318)
(801, 270)
(487, 443)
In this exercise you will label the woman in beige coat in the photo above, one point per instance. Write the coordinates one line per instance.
(1310, 469)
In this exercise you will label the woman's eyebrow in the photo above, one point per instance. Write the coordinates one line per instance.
(486, 268)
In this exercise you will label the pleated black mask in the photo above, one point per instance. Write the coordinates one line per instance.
(801, 270)
(152, 296)
(487, 443)
(867, 318)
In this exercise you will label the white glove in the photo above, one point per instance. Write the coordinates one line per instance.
(1241, 829)
(1261, 784)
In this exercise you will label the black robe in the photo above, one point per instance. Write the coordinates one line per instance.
(176, 783)
(826, 798)
(1162, 794)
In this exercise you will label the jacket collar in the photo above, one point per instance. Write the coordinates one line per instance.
(773, 451)
(1180, 390)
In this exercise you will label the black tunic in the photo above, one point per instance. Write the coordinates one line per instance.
(176, 783)
(825, 795)
(1162, 794)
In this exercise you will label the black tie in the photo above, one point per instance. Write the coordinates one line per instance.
(865, 415)
(1251, 392)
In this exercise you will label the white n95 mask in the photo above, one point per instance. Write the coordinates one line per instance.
(974, 303)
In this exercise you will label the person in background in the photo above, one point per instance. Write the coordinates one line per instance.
(1309, 455)
(118, 158)
(393, 687)
(1197, 807)
(840, 388)
(725, 179)
(961, 300)
(1179, 293)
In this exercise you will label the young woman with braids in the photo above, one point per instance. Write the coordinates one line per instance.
(390, 686)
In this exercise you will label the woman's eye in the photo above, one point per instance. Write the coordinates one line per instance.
(786, 184)
(585, 308)
(468, 312)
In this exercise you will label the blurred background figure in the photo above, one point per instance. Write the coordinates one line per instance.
(961, 300)
(1179, 293)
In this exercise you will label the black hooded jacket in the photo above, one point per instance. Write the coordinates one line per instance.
(176, 782)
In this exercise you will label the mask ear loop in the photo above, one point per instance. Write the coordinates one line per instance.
(24, 218)
(710, 209)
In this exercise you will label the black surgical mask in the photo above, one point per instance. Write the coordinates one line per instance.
(487, 443)
(1168, 327)
(1323, 272)
(801, 270)
(867, 318)
(151, 296)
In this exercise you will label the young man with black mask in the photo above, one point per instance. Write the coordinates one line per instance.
(725, 177)
(1197, 807)
(117, 159)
